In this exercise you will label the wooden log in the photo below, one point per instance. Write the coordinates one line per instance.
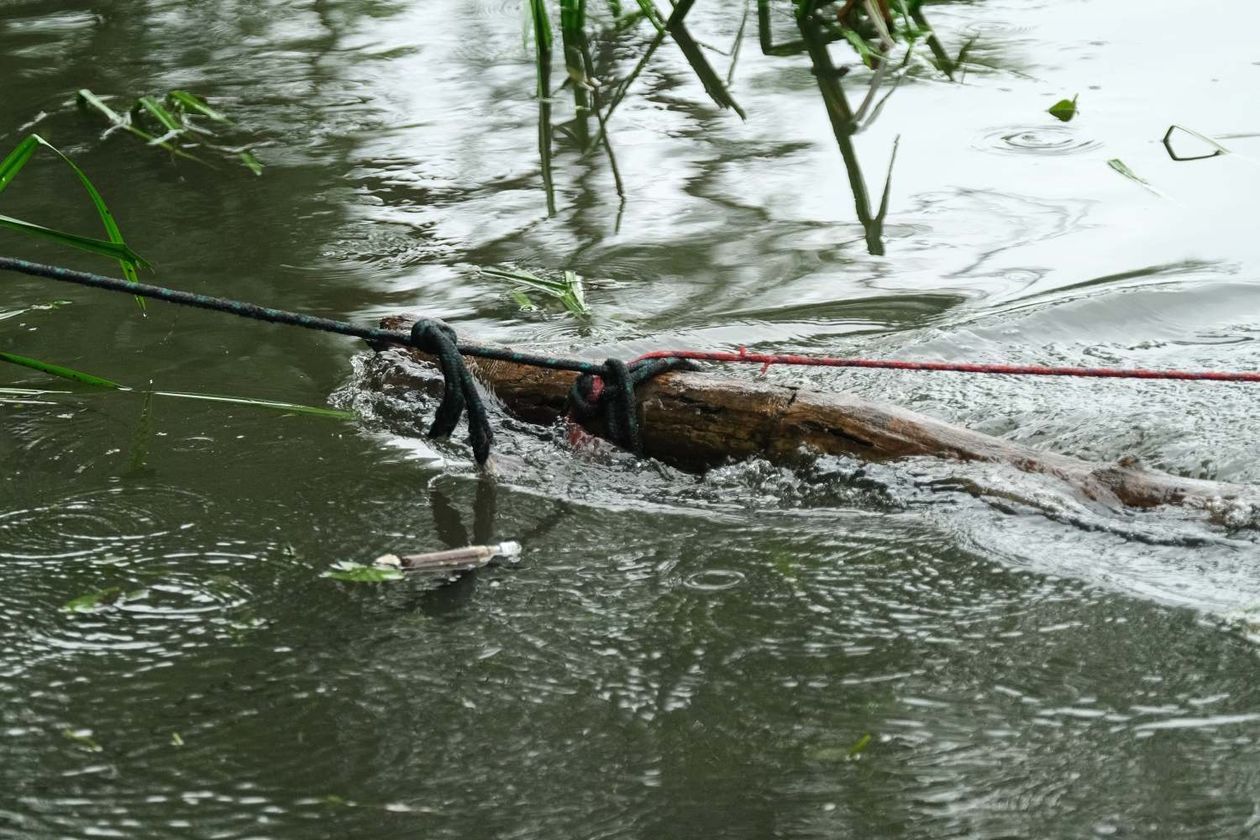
(695, 420)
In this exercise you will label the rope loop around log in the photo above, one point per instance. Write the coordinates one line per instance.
(459, 391)
(613, 392)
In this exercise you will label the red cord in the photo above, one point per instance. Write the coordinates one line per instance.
(768, 359)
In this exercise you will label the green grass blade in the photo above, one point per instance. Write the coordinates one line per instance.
(883, 201)
(542, 69)
(1121, 167)
(569, 290)
(523, 301)
(648, 10)
(713, 84)
(860, 47)
(113, 250)
(59, 371)
(159, 113)
(12, 165)
(62, 372)
(736, 46)
(86, 97)
(574, 296)
(251, 163)
(541, 23)
(190, 102)
(128, 264)
(288, 407)
(1217, 148)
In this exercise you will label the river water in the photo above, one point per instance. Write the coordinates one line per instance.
(838, 650)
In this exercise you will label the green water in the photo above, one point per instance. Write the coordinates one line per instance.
(675, 656)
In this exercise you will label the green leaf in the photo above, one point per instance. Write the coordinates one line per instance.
(859, 747)
(574, 296)
(190, 102)
(1217, 148)
(569, 291)
(16, 159)
(649, 11)
(130, 265)
(1064, 109)
(541, 23)
(59, 371)
(1119, 166)
(93, 600)
(159, 112)
(357, 573)
(116, 248)
(87, 98)
(251, 163)
(523, 301)
(860, 46)
(713, 84)
(295, 408)
(101, 382)
(117, 251)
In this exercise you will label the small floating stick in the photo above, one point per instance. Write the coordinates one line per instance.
(454, 561)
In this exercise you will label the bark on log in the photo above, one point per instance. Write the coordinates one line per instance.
(696, 420)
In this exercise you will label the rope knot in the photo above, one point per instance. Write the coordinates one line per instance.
(612, 393)
(459, 390)
(432, 335)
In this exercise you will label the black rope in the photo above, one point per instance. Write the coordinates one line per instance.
(459, 391)
(616, 398)
(430, 336)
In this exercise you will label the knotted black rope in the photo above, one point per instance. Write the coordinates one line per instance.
(459, 391)
(616, 396)
(430, 336)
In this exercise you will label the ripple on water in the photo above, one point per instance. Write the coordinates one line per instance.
(714, 580)
(87, 524)
(1037, 140)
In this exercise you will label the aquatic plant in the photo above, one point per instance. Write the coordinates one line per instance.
(172, 123)
(1216, 149)
(115, 247)
(567, 289)
(599, 99)
(129, 262)
(1063, 110)
(1123, 168)
(884, 35)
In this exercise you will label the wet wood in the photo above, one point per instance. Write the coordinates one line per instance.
(695, 420)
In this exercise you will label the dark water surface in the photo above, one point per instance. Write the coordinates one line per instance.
(676, 656)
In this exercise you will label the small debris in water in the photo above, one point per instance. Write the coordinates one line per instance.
(1064, 109)
(452, 562)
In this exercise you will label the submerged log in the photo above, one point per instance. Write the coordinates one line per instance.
(695, 420)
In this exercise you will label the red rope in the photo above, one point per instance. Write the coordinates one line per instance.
(768, 359)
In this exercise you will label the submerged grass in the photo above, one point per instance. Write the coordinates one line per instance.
(568, 289)
(174, 118)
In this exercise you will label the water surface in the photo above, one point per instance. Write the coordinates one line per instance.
(677, 655)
